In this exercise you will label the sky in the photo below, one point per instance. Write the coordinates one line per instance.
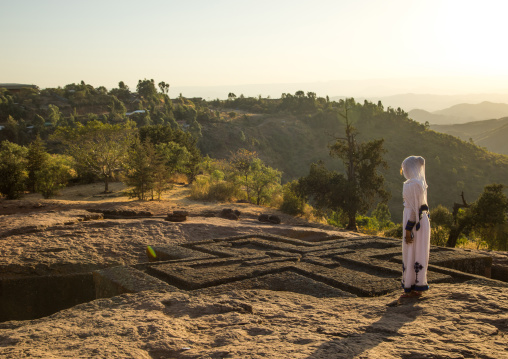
(354, 47)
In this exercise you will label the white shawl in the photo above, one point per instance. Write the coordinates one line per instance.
(415, 188)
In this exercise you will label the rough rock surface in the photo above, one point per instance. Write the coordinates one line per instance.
(458, 321)
(37, 237)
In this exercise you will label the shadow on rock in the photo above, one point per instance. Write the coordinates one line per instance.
(386, 329)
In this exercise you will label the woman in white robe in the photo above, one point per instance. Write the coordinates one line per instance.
(416, 223)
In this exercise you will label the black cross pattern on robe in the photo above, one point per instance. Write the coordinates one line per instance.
(418, 267)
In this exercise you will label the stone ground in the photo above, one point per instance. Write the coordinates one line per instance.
(452, 321)
(41, 237)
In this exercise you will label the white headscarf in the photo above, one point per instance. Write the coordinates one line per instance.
(415, 188)
(413, 168)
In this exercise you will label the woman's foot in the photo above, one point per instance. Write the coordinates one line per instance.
(412, 294)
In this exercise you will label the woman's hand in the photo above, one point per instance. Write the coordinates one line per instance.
(409, 237)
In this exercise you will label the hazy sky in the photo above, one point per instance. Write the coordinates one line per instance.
(444, 46)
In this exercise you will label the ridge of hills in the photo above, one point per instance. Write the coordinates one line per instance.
(491, 134)
(461, 113)
(292, 143)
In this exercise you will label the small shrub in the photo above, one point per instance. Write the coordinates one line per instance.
(205, 190)
(439, 235)
(223, 192)
(291, 203)
(394, 232)
(368, 225)
(200, 188)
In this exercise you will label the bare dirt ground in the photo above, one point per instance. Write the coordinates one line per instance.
(40, 237)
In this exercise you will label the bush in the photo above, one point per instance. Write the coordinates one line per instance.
(200, 188)
(441, 216)
(394, 232)
(54, 175)
(205, 190)
(292, 203)
(13, 173)
(439, 235)
(337, 219)
(224, 192)
(368, 225)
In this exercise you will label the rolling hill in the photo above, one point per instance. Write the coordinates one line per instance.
(291, 143)
(491, 134)
(462, 113)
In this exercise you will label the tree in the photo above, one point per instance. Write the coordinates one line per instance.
(461, 221)
(116, 109)
(486, 218)
(54, 174)
(293, 202)
(265, 180)
(441, 216)
(489, 216)
(241, 163)
(97, 147)
(361, 161)
(164, 87)
(140, 168)
(324, 188)
(54, 114)
(164, 134)
(383, 216)
(12, 169)
(36, 158)
(146, 89)
(149, 167)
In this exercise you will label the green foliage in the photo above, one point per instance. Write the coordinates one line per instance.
(368, 225)
(164, 87)
(394, 232)
(265, 182)
(159, 134)
(324, 189)
(149, 167)
(36, 158)
(54, 174)
(146, 89)
(383, 216)
(293, 203)
(13, 169)
(291, 141)
(355, 192)
(244, 171)
(146, 171)
(439, 235)
(259, 181)
(337, 218)
(241, 163)
(441, 216)
(489, 215)
(116, 110)
(98, 148)
(441, 223)
(205, 190)
(484, 222)
(54, 115)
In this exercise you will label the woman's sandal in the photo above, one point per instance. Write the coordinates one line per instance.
(412, 294)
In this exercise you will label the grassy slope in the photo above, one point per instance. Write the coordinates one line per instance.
(491, 134)
(291, 144)
(495, 140)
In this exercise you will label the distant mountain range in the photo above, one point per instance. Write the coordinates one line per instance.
(428, 102)
(491, 134)
(461, 114)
